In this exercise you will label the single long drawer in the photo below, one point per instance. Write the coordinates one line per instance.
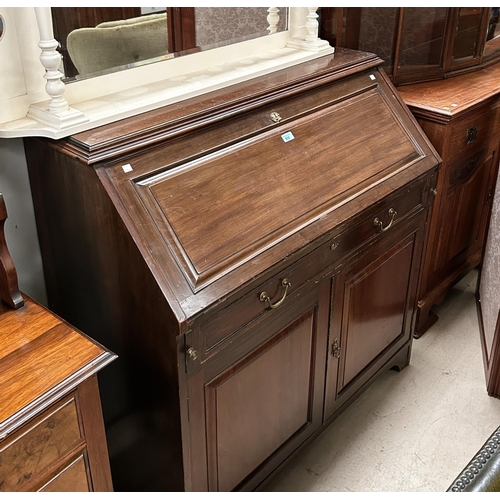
(29, 451)
(338, 245)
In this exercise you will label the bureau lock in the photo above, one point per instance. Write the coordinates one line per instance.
(275, 117)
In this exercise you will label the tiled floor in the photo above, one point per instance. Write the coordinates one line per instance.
(411, 431)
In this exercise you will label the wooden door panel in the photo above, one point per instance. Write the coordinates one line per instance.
(472, 199)
(374, 309)
(258, 398)
(257, 405)
(460, 231)
(371, 314)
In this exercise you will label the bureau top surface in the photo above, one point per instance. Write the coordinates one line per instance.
(41, 358)
(454, 95)
(104, 142)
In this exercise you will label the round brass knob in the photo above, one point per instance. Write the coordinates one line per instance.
(434, 191)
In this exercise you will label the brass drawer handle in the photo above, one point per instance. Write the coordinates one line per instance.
(378, 223)
(265, 298)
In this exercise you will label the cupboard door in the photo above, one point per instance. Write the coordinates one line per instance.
(372, 314)
(260, 408)
(463, 211)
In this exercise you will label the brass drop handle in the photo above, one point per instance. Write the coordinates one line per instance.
(378, 223)
(265, 298)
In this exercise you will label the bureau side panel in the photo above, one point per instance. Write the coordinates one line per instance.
(98, 281)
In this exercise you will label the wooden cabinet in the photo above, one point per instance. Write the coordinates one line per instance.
(220, 246)
(461, 118)
(51, 428)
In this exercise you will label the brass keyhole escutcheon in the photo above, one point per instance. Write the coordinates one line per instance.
(471, 135)
(192, 353)
(275, 117)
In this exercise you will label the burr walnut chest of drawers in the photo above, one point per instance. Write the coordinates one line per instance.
(51, 427)
(461, 117)
(251, 255)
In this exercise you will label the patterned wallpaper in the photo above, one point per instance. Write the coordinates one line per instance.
(377, 31)
(489, 288)
(214, 25)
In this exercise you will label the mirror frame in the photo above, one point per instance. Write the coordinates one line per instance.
(91, 102)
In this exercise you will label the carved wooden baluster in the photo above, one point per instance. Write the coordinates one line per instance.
(9, 290)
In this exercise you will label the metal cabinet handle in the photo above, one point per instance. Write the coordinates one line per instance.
(378, 223)
(265, 298)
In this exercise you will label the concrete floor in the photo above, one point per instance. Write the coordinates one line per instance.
(411, 431)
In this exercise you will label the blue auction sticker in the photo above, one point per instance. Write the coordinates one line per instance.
(287, 137)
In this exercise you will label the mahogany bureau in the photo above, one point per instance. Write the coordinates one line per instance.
(251, 254)
(461, 118)
(51, 428)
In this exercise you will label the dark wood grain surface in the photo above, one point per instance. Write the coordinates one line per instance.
(226, 196)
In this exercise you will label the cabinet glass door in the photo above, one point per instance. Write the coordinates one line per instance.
(466, 40)
(492, 45)
(422, 40)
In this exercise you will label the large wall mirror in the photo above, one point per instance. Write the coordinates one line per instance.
(99, 40)
(77, 68)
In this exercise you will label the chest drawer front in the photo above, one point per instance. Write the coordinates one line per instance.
(472, 131)
(72, 478)
(31, 450)
(380, 221)
(341, 242)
